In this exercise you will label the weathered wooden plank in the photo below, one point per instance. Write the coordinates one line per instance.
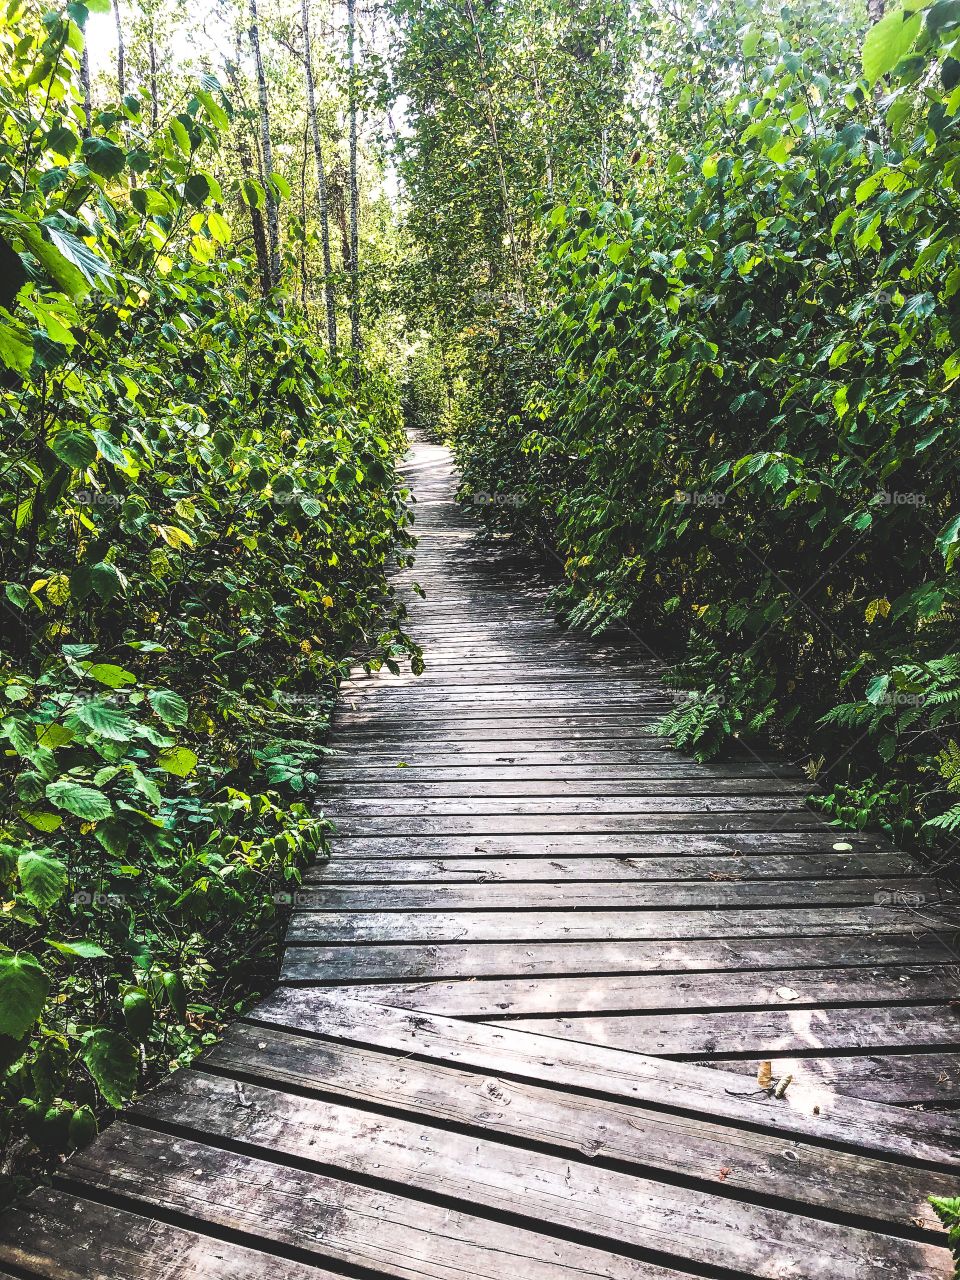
(762, 1033)
(615, 895)
(719, 819)
(545, 926)
(64, 1237)
(801, 1175)
(484, 870)
(397, 787)
(615, 806)
(565, 1193)
(899, 1079)
(326, 1218)
(398, 962)
(674, 1086)
(340, 770)
(781, 989)
(566, 844)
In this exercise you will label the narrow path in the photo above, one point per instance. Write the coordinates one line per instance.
(525, 1002)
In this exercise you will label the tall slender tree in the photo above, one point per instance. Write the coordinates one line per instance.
(257, 227)
(121, 51)
(328, 288)
(152, 52)
(355, 338)
(85, 83)
(273, 214)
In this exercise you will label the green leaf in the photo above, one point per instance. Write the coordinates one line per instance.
(64, 273)
(90, 265)
(103, 156)
(280, 185)
(16, 348)
(169, 706)
(110, 674)
(888, 41)
(83, 802)
(107, 580)
(180, 136)
(81, 948)
(179, 761)
(23, 990)
(149, 203)
(253, 194)
(42, 820)
(109, 722)
(62, 140)
(113, 1062)
(43, 877)
(196, 189)
(76, 448)
(948, 539)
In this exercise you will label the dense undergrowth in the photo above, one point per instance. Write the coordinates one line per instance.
(196, 515)
(746, 441)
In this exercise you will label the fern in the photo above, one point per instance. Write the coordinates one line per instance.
(949, 821)
(948, 1211)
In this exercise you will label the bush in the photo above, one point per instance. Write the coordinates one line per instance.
(750, 433)
(196, 516)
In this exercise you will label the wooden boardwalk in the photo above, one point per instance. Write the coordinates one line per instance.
(525, 1003)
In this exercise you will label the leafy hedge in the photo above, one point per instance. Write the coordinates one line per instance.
(196, 513)
(749, 435)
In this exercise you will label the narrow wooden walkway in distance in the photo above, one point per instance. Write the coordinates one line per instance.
(525, 1002)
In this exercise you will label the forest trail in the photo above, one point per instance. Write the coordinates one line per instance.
(524, 1004)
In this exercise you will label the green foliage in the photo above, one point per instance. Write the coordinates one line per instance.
(196, 516)
(948, 1211)
(745, 444)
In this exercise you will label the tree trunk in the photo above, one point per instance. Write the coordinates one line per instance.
(152, 47)
(85, 82)
(257, 227)
(121, 52)
(328, 291)
(355, 340)
(303, 217)
(875, 10)
(495, 139)
(273, 217)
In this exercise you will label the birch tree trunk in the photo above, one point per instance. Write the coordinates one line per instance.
(273, 217)
(322, 203)
(85, 81)
(355, 340)
(152, 48)
(258, 230)
(121, 52)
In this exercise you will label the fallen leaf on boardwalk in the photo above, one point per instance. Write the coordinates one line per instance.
(765, 1076)
(782, 1086)
(788, 993)
(722, 1175)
